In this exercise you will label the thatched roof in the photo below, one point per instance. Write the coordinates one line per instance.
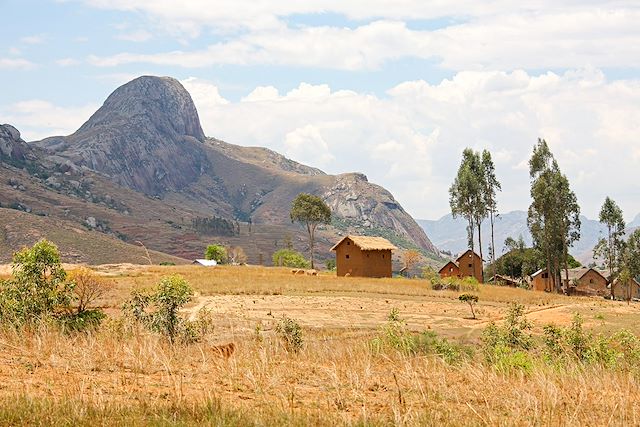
(368, 243)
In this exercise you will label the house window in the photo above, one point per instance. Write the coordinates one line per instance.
(367, 255)
(591, 281)
(450, 269)
(470, 265)
(347, 256)
(348, 243)
(382, 255)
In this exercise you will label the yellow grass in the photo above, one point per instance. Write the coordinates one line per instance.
(114, 378)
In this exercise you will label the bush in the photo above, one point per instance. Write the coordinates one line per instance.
(88, 288)
(330, 264)
(502, 342)
(470, 299)
(395, 335)
(166, 299)
(217, 253)
(290, 258)
(167, 263)
(290, 333)
(38, 289)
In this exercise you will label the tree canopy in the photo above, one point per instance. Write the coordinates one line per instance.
(310, 211)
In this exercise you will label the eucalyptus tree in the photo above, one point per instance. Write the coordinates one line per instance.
(612, 248)
(466, 195)
(491, 187)
(554, 214)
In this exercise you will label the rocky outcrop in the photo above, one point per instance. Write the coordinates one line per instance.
(366, 208)
(146, 136)
(12, 146)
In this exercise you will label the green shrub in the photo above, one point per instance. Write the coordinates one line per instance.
(38, 289)
(395, 335)
(217, 253)
(508, 360)
(330, 264)
(514, 335)
(290, 258)
(470, 299)
(82, 321)
(167, 263)
(290, 333)
(165, 300)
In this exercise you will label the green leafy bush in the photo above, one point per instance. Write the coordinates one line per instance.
(290, 332)
(38, 289)
(290, 258)
(158, 310)
(217, 253)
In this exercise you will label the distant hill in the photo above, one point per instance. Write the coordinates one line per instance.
(141, 169)
(450, 234)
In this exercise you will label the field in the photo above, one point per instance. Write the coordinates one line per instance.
(116, 376)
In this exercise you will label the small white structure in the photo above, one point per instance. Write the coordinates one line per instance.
(205, 262)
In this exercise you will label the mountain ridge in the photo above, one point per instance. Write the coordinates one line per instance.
(146, 172)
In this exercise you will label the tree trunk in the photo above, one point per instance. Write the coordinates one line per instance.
(480, 248)
(566, 264)
(611, 249)
(312, 232)
(472, 240)
(493, 243)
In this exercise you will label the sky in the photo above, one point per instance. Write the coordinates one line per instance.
(393, 89)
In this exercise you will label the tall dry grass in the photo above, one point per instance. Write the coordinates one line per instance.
(138, 378)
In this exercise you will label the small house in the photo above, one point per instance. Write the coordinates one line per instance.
(622, 291)
(582, 281)
(501, 280)
(540, 281)
(470, 265)
(363, 256)
(450, 269)
(205, 262)
(585, 281)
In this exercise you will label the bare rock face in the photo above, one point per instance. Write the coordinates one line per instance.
(146, 136)
(366, 208)
(12, 146)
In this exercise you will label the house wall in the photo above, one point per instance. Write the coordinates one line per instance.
(350, 259)
(620, 290)
(450, 270)
(592, 283)
(470, 269)
(540, 283)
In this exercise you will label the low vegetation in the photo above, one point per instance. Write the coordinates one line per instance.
(316, 350)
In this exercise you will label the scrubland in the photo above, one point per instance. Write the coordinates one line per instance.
(374, 352)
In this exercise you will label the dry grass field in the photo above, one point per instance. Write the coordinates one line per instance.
(119, 376)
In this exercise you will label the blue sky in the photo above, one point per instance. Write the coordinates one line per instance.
(394, 90)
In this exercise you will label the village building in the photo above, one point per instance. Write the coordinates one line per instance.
(540, 281)
(205, 262)
(626, 291)
(582, 281)
(501, 280)
(450, 269)
(469, 264)
(363, 256)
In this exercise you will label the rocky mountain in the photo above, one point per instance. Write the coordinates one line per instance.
(13, 149)
(141, 169)
(450, 234)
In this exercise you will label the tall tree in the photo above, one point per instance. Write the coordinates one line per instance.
(492, 186)
(554, 214)
(310, 211)
(611, 248)
(629, 263)
(466, 195)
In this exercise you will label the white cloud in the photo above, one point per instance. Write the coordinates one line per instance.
(135, 36)
(34, 39)
(14, 51)
(16, 63)
(67, 62)
(37, 119)
(410, 141)
(307, 145)
(492, 35)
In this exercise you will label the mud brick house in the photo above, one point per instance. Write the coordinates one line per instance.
(469, 264)
(363, 256)
(582, 281)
